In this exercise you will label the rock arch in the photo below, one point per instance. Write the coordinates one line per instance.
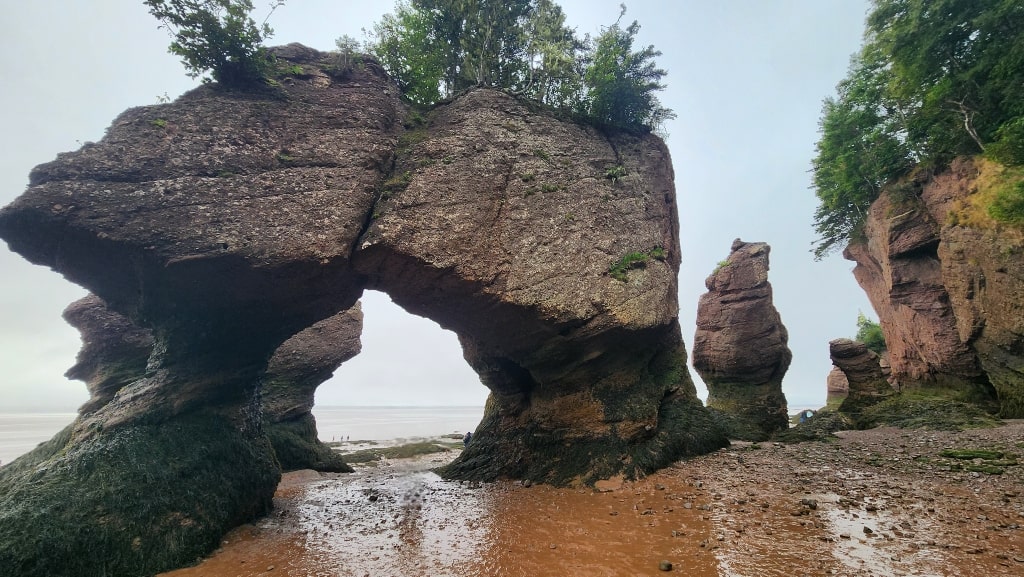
(226, 223)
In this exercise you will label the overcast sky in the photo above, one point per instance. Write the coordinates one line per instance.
(746, 78)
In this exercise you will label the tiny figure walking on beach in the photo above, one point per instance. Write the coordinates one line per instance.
(467, 439)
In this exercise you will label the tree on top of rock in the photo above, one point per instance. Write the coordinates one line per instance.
(933, 80)
(219, 37)
(437, 48)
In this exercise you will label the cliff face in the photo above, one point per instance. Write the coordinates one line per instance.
(740, 348)
(226, 223)
(949, 296)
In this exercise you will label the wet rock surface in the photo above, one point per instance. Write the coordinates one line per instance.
(226, 223)
(740, 348)
(879, 502)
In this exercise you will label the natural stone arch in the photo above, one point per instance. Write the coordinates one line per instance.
(226, 223)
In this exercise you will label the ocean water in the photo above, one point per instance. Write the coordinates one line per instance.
(21, 432)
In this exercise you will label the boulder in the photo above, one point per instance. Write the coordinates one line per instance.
(227, 222)
(740, 348)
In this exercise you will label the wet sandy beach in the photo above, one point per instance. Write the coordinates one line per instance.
(880, 502)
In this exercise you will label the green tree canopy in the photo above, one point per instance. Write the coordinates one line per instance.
(622, 82)
(436, 48)
(217, 36)
(870, 333)
(933, 80)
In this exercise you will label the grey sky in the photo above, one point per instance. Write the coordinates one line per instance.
(746, 78)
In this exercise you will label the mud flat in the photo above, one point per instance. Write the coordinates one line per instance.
(880, 502)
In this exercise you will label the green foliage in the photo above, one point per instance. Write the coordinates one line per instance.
(614, 173)
(437, 48)
(870, 333)
(219, 37)
(159, 122)
(397, 183)
(622, 82)
(347, 57)
(934, 79)
(619, 269)
(1008, 204)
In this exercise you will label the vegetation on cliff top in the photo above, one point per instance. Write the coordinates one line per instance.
(219, 37)
(934, 79)
(870, 333)
(437, 48)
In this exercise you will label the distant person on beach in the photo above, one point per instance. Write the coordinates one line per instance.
(467, 439)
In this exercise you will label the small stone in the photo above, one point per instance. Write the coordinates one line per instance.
(665, 566)
(867, 530)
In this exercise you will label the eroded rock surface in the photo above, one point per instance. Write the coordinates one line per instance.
(298, 367)
(506, 226)
(837, 387)
(114, 350)
(226, 223)
(740, 348)
(949, 295)
(867, 384)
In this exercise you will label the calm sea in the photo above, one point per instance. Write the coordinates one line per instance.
(21, 432)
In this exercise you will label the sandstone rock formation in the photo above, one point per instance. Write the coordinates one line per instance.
(837, 387)
(114, 350)
(226, 223)
(948, 293)
(298, 367)
(739, 348)
(867, 382)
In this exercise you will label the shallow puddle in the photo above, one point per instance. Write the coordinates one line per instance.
(404, 520)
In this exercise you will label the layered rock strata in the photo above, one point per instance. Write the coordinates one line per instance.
(837, 387)
(114, 350)
(223, 222)
(948, 292)
(740, 348)
(298, 367)
(866, 382)
(226, 223)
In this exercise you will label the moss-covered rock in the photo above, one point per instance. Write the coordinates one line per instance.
(142, 499)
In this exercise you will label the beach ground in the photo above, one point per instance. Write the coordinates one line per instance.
(883, 502)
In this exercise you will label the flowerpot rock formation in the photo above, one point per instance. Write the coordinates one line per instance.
(225, 223)
(740, 348)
